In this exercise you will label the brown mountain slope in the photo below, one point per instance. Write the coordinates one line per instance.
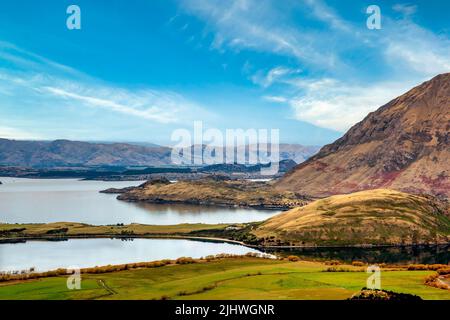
(404, 145)
(376, 217)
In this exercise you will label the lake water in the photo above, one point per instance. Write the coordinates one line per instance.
(71, 200)
(82, 253)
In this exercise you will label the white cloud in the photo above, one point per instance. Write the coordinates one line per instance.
(412, 48)
(326, 14)
(275, 74)
(163, 108)
(258, 25)
(29, 61)
(332, 104)
(12, 133)
(44, 82)
(405, 9)
(277, 99)
(338, 98)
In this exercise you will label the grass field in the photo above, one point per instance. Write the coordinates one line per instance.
(231, 278)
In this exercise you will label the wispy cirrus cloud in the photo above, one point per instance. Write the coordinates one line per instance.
(405, 9)
(415, 50)
(255, 25)
(334, 104)
(322, 12)
(278, 99)
(332, 91)
(277, 74)
(25, 60)
(44, 81)
(412, 53)
(146, 104)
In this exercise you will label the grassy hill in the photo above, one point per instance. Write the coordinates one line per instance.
(376, 217)
(215, 192)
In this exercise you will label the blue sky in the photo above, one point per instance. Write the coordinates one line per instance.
(137, 70)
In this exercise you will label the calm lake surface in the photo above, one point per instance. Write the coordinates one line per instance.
(71, 200)
(82, 253)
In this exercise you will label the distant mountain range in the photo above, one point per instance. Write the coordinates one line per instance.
(65, 153)
(404, 145)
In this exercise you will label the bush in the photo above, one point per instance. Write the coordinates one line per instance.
(417, 267)
(444, 271)
(185, 260)
(436, 267)
(293, 258)
(432, 282)
(358, 263)
(252, 255)
(337, 269)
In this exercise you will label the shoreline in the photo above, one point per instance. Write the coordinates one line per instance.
(207, 204)
(206, 238)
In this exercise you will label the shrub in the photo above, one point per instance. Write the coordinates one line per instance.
(293, 258)
(209, 287)
(444, 271)
(210, 257)
(184, 260)
(432, 282)
(417, 267)
(337, 269)
(436, 267)
(252, 255)
(57, 231)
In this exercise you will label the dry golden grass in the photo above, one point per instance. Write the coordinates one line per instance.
(368, 217)
(216, 192)
(80, 229)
